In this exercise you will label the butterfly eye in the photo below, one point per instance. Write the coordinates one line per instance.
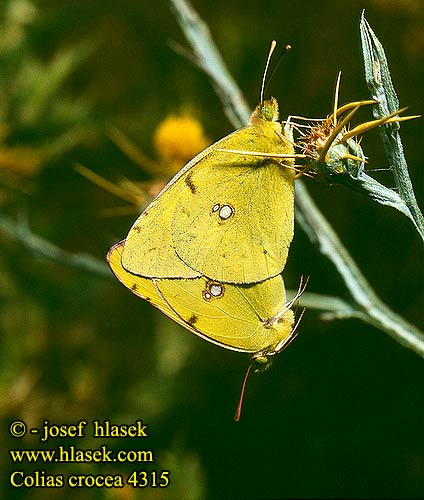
(213, 290)
(267, 113)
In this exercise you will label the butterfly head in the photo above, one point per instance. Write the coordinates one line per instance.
(267, 111)
(266, 115)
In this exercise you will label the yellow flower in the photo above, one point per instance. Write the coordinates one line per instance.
(177, 139)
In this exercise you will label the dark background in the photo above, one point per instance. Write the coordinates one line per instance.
(340, 414)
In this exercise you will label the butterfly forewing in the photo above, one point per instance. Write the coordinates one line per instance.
(226, 216)
(236, 232)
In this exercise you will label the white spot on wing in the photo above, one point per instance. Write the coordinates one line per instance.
(213, 290)
(216, 290)
(226, 212)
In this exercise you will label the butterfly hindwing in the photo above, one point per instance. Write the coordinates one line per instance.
(237, 317)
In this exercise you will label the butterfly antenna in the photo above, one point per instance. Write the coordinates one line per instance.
(293, 334)
(286, 48)
(303, 283)
(271, 50)
(299, 319)
(243, 388)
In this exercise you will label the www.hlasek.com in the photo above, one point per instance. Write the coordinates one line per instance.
(40, 478)
(70, 454)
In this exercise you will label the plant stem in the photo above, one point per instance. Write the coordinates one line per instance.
(21, 233)
(368, 306)
(197, 33)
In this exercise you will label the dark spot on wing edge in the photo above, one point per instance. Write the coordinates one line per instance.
(190, 184)
(192, 320)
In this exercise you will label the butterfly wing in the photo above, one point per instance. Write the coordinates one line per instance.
(142, 287)
(232, 316)
(236, 317)
(237, 224)
(252, 244)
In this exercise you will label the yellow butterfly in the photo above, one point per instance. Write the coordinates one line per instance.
(226, 216)
(252, 318)
(209, 249)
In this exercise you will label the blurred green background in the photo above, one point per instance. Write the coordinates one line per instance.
(340, 414)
